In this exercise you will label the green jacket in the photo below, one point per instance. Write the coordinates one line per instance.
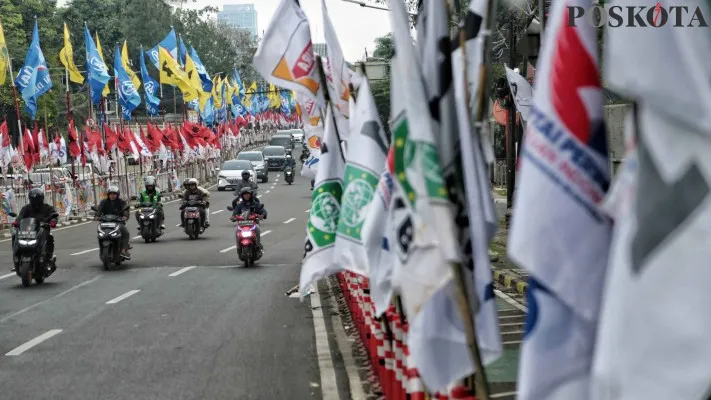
(144, 197)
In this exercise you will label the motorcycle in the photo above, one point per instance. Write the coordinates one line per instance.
(149, 223)
(304, 155)
(194, 225)
(289, 175)
(29, 250)
(245, 235)
(110, 238)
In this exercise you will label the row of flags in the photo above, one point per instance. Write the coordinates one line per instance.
(405, 210)
(215, 98)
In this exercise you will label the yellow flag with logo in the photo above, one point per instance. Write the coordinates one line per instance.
(229, 91)
(217, 91)
(66, 57)
(4, 57)
(172, 74)
(101, 54)
(194, 79)
(124, 60)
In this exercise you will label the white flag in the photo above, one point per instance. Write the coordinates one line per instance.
(675, 80)
(324, 212)
(522, 92)
(285, 56)
(653, 333)
(558, 231)
(367, 152)
(340, 75)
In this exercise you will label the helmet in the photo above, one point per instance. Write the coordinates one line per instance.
(246, 175)
(245, 191)
(36, 197)
(149, 181)
(113, 189)
(191, 182)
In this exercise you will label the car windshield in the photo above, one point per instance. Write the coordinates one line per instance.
(274, 151)
(251, 156)
(237, 165)
(280, 141)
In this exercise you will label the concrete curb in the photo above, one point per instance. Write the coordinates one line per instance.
(511, 281)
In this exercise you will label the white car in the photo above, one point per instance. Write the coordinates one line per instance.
(231, 173)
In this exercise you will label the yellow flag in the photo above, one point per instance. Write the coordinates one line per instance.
(4, 57)
(124, 60)
(101, 54)
(194, 79)
(274, 97)
(229, 91)
(172, 74)
(217, 91)
(66, 57)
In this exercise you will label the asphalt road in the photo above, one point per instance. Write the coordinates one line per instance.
(181, 320)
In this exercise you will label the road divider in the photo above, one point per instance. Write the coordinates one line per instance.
(34, 342)
(84, 252)
(181, 271)
(289, 220)
(123, 297)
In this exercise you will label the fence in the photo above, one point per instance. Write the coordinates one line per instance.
(73, 199)
(385, 341)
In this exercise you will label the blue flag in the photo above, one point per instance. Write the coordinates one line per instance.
(202, 72)
(170, 43)
(182, 51)
(96, 71)
(208, 112)
(238, 80)
(128, 96)
(33, 78)
(150, 88)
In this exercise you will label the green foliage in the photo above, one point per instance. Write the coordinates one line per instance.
(384, 46)
(381, 95)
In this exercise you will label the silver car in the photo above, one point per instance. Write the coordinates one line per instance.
(258, 161)
(231, 173)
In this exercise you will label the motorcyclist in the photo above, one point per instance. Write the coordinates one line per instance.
(194, 192)
(249, 203)
(246, 182)
(114, 205)
(41, 211)
(289, 162)
(153, 196)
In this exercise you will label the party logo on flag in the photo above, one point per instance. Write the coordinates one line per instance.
(301, 71)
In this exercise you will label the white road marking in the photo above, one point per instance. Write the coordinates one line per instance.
(34, 342)
(7, 275)
(228, 249)
(513, 342)
(216, 212)
(137, 237)
(182, 270)
(289, 220)
(265, 233)
(177, 225)
(511, 301)
(71, 289)
(308, 210)
(267, 192)
(272, 187)
(123, 296)
(84, 252)
(329, 389)
(502, 395)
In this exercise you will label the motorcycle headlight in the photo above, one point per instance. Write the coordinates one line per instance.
(102, 234)
(115, 233)
(142, 216)
(152, 216)
(30, 242)
(245, 234)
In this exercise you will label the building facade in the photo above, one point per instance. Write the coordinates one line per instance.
(243, 16)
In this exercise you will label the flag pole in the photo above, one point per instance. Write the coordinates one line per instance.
(46, 129)
(17, 104)
(327, 97)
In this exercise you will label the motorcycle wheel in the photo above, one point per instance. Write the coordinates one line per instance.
(289, 183)
(106, 257)
(26, 273)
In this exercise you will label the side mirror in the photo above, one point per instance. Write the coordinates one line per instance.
(180, 195)
(12, 214)
(94, 208)
(230, 208)
(133, 197)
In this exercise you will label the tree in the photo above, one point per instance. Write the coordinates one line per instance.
(245, 45)
(384, 46)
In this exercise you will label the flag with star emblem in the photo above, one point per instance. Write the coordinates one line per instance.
(424, 222)
(367, 150)
(319, 261)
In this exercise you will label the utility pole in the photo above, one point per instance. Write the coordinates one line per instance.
(511, 128)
